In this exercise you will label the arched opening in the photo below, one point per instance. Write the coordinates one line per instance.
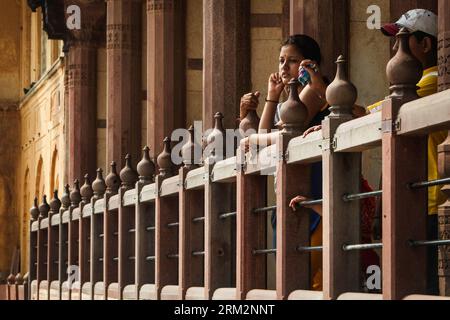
(54, 183)
(40, 185)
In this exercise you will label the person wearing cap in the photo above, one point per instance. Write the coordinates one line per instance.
(422, 24)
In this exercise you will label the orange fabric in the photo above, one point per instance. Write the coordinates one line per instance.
(316, 259)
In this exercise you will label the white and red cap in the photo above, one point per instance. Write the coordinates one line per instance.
(414, 20)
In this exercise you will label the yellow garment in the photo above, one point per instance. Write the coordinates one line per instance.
(435, 196)
(316, 259)
(428, 86)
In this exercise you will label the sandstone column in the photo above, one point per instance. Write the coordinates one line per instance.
(327, 21)
(226, 57)
(123, 47)
(166, 70)
(82, 81)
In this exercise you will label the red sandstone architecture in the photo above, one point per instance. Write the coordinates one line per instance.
(153, 230)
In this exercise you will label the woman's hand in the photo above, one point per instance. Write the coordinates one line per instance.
(275, 87)
(249, 101)
(298, 199)
(312, 129)
(317, 82)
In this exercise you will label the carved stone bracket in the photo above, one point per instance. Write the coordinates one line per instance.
(93, 20)
(159, 5)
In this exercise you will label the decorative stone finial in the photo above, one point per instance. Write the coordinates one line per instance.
(341, 94)
(146, 167)
(164, 160)
(44, 208)
(19, 279)
(99, 185)
(34, 211)
(55, 204)
(216, 140)
(112, 180)
(191, 151)
(249, 124)
(65, 199)
(404, 70)
(86, 190)
(128, 175)
(293, 112)
(75, 196)
(11, 279)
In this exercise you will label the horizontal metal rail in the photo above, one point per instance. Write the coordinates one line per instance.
(428, 243)
(309, 249)
(272, 208)
(227, 215)
(129, 258)
(265, 209)
(423, 184)
(173, 225)
(364, 246)
(363, 195)
(264, 251)
(300, 204)
(310, 202)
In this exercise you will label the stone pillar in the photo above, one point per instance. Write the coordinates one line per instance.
(166, 70)
(444, 148)
(82, 126)
(404, 208)
(341, 174)
(327, 22)
(226, 69)
(82, 82)
(398, 8)
(123, 47)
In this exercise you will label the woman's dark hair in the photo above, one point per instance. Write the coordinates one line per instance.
(306, 45)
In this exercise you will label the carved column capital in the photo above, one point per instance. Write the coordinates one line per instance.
(159, 5)
(92, 31)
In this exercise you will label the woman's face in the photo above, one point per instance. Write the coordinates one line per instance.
(289, 63)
